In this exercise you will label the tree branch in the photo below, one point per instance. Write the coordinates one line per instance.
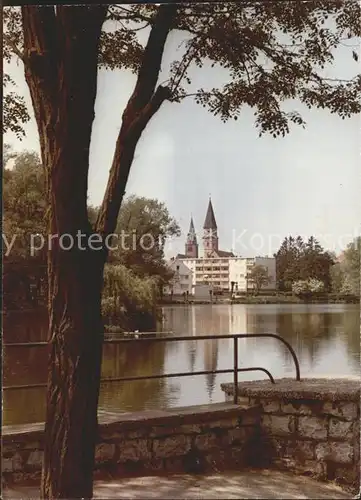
(152, 57)
(14, 47)
(127, 140)
(129, 15)
(180, 72)
(143, 104)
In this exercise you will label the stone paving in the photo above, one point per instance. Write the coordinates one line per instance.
(247, 484)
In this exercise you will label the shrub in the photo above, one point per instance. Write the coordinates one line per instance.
(128, 300)
(311, 285)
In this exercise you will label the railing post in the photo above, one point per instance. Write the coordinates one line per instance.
(235, 367)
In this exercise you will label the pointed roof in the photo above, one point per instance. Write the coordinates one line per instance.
(210, 220)
(192, 236)
(191, 227)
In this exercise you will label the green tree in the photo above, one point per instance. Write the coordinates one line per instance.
(288, 261)
(24, 203)
(345, 274)
(145, 225)
(15, 113)
(258, 277)
(24, 216)
(337, 278)
(300, 261)
(347, 288)
(307, 287)
(24, 271)
(315, 285)
(8, 154)
(351, 266)
(316, 263)
(272, 52)
(92, 214)
(300, 287)
(128, 300)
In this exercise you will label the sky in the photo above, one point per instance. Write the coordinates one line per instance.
(262, 189)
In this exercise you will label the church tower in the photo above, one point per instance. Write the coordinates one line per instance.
(210, 235)
(191, 244)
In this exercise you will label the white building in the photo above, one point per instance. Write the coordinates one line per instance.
(217, 268)
(239, 269)
(182, 280)
(270, 264)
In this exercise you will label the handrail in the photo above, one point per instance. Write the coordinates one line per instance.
(148, 377)
(235, 370)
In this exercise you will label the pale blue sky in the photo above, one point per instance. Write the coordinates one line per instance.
(308, 183)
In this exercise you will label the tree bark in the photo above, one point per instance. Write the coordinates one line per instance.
(61, 49)
(60, 59)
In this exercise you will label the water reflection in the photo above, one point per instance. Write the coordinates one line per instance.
(210, 364)
(325, 338)
(25, 326)
(121, 360)
(28, 366)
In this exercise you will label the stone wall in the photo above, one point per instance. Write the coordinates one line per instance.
(201, 438)
(309, 427)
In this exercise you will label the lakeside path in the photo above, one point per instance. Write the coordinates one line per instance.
(247, 484)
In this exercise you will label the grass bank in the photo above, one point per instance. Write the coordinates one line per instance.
(274, 298)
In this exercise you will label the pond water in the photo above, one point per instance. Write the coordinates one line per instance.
(326, 339)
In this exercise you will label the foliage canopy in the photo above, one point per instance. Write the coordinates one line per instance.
(270, 52)
(302, 260)
(258, 277)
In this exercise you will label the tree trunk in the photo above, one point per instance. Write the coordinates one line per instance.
(60, 58)
(76, 332)
(61, 50)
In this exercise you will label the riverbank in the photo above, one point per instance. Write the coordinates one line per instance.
(264, 299)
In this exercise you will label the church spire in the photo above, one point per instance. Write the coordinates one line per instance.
(210, 236)
(210, 220)
(191, 243)
(192, 237)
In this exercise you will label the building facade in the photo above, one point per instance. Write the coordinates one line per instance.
(220, 269)
(182, 281)
(239, 269)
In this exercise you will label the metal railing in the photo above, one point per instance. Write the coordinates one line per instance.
(235, 369)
